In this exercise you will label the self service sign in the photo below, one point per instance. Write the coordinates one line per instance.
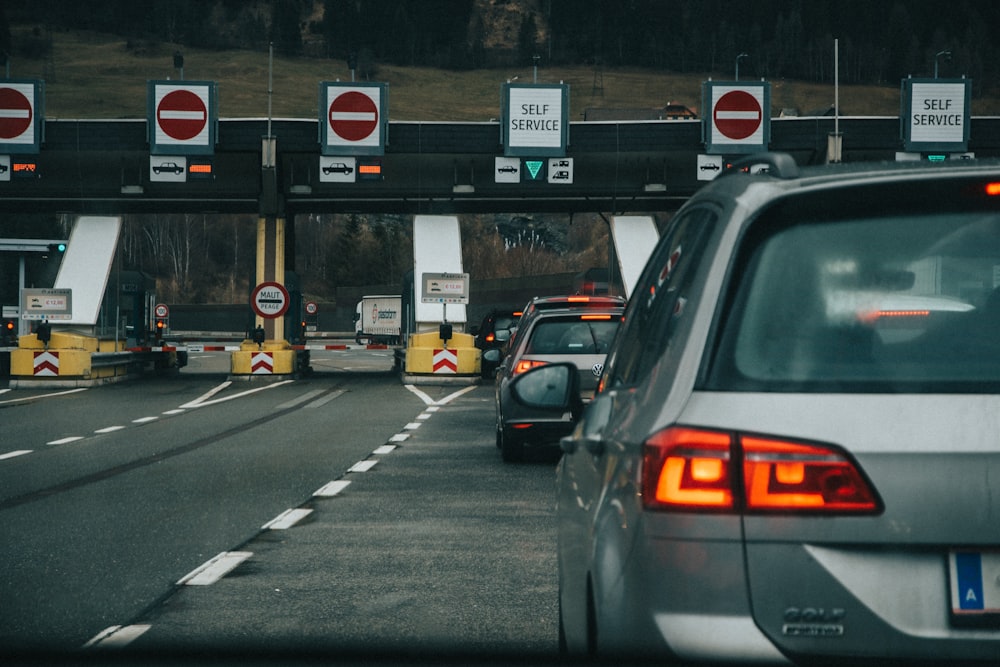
(935, 114)
(534, 120)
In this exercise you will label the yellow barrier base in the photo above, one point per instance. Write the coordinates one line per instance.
(429, 359)
(67, 361)
(272, 360)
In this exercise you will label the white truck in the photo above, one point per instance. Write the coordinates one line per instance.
(378, 319)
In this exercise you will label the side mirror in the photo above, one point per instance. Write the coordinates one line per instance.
(553, 388)
(501, 335)
(492, 356)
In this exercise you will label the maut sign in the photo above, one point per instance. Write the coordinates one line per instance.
(354, 118)
(740, 118)
(21, 116)
(182, 118)
(269, 300)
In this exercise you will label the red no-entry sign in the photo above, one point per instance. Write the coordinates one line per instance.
(353, 119)
(737, 115)
(740, 117)
(353, 116)
(16, 113)
(182, 115)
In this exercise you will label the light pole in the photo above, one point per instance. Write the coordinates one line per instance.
(946, 53)
(738, 58)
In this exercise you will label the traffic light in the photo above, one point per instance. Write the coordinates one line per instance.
(160, 324)
(9, 333)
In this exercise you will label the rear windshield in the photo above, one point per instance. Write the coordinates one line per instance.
(904, 303)
(572, 336)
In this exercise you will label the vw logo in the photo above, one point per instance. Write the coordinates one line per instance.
(597, 369)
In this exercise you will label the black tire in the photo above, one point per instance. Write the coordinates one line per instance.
(510, 451)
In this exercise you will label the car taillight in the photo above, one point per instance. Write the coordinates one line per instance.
(526, 365)
(490, 338)
(688, 468)
(993, 189)
(696, 469)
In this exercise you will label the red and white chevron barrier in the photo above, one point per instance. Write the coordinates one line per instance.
(445, 361)
(46, 364)
(262, 363)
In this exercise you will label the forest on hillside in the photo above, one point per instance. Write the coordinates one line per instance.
(880, 41)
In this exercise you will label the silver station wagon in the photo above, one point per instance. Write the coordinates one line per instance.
(794, 451)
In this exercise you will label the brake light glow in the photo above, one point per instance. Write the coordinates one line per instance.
(993, 189)
(526, 365)
(578, 299)
(490, 338)
(688, 468)
(595, 317)
(694, 469)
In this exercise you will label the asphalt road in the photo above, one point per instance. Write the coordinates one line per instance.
(137, 517)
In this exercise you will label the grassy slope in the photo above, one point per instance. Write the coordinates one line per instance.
(94, 76)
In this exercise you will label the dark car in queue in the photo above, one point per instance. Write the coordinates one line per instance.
(573, 329)
(493, 333)
(793, 454)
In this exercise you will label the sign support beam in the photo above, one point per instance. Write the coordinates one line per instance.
(271, 267)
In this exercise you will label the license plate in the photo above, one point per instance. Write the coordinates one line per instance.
(975, 587)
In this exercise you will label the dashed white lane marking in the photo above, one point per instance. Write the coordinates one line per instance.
(65, 441)
(399, 437)
(286, 519)
(176, 411)
(144, 420)
(35, 398)
(363, 466)
(10, 455)
(214, 569)
(424, 415)
(109, 429)
(384, 449)
(332, 489)
(117, 636)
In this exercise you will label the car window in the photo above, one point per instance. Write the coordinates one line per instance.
(572, 336)
(903, 302)
(662, 298)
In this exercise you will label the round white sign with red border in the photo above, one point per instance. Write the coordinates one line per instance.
(17, 113)
(354, 116)
(161, 310)
(181, 115)
(738, 115)
(269, 300)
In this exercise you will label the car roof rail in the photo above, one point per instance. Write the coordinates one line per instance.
(779, 165)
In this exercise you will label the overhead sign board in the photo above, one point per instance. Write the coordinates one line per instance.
(269, 300)
(22, 115)
(47, 304)
(445, 288)
(182, 117)
(354, 118)
(534, 119)
(740, 118)
(935, 114)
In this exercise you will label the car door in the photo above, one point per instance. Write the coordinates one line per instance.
(598, 468)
